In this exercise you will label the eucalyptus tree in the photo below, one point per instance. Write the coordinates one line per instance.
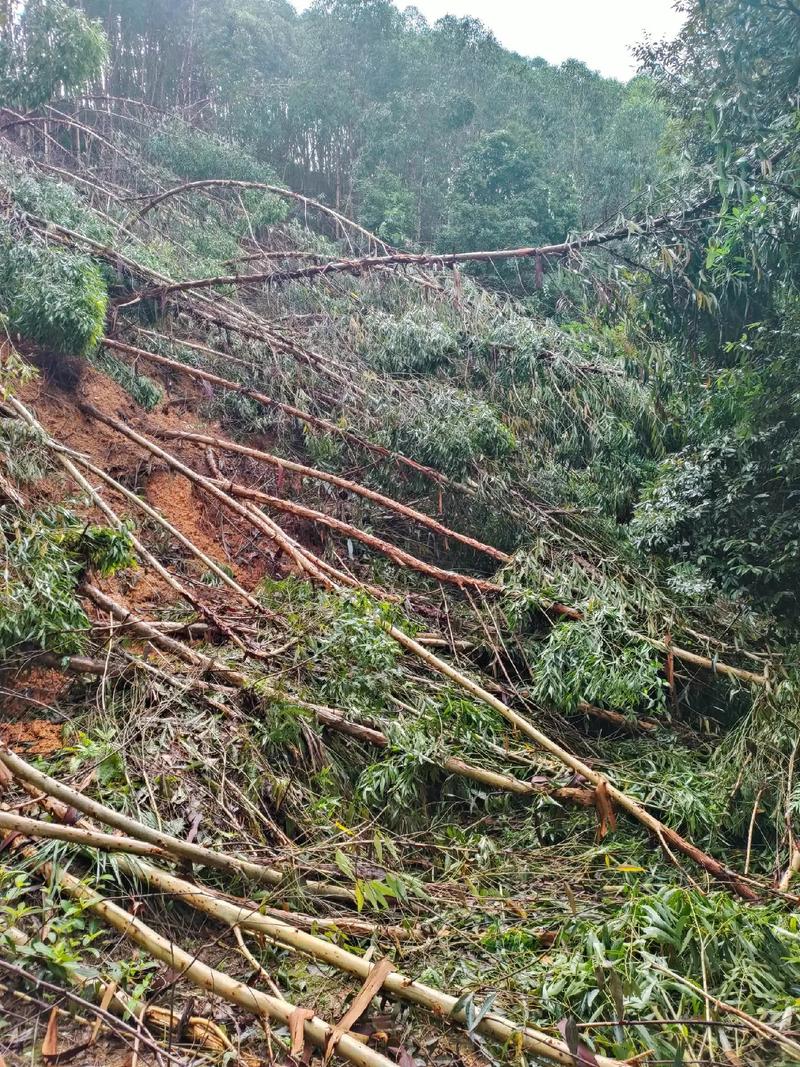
(46, 49)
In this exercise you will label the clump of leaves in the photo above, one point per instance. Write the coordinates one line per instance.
(447, 429)
(60, 933)
(54, 298)
(23, 451)
(45, 557)
(358, 657)
(597, 660)
(195, 155)
(416, 343)
(615, 967)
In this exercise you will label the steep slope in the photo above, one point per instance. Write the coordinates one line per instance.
(381, 644)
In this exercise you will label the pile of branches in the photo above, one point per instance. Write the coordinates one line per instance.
(434, 600)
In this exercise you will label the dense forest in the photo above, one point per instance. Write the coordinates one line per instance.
(400, 540)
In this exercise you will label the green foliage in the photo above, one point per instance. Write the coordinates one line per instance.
(105, 550)
(388, 207)
(362, 104)
(730, 499)
(596, 660)
(45, 556)
(416, 343)
(60, 934)
(14, 370)
(359, 657)
(193, 154)
(447, 429)
(23, 451)
(746, 955)
(52, 48)
(55, 201)
(500, 198)
(54, 298)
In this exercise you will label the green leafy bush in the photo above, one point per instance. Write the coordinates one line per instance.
(54, 298)
(595, 660)
(53, 47)
(447, 429)
(44, 559)
(416, 343)
(729, 501)
(57, 202)
(195, 155)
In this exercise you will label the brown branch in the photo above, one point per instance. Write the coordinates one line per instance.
(226, 494)
(424, 259)
(316, 421)
(392, 552)
(668, 837)
(351, 487)
(276, 190)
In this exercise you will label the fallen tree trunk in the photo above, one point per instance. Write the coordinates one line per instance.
(275, 190)
(668, 838)
(267, 401)
(396, 984)
(342, 483)
(215, 982)
(250, 918)
(19, 824)
(333, 718)
(447, 259)
(397, 555)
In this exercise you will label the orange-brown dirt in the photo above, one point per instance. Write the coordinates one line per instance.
(216, 532)
(223, 536)
(33, 737)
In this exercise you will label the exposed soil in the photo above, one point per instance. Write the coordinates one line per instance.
(34, 737)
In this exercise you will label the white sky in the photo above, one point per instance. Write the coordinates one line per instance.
(599, 32)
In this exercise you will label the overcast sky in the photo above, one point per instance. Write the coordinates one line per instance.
(600, 32)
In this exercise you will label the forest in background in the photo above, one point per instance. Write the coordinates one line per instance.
(426, 134)
(400, 515)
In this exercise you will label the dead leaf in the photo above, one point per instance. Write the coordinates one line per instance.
(404, 1057)
(372, 984)
(584, 1057)
(297, 1032)
(108, 994)
(518, 909)
(605, 810)
(50, 1043)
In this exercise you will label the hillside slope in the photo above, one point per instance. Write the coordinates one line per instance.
(324, 593)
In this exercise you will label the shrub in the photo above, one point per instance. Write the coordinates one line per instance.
(417, 343)
(56, 202)
(53, 298)
(44, 559)
(195, 155)
(448, 430)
